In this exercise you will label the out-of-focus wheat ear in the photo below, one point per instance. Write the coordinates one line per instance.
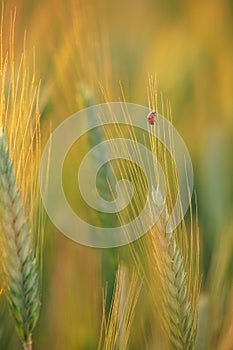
(19, 263)
(116, 329)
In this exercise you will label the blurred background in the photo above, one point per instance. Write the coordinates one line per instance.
(89, 51)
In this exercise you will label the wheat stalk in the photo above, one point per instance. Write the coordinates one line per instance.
(21, 222)
(172, 260)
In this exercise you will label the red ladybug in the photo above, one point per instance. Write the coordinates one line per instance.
(151, 117)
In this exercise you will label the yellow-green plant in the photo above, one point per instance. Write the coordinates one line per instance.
(169, 263)
(21, 229)
(116, 328)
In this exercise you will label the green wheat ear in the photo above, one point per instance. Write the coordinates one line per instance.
(19, 261)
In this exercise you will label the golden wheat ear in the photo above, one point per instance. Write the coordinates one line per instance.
(19, 263)
(116, 328)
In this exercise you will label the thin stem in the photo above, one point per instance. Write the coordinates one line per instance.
(28, 345)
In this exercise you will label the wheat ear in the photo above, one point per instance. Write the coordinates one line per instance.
(115, 332)
(182, 323)
(19, 263)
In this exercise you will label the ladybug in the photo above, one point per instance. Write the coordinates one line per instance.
(151, 117)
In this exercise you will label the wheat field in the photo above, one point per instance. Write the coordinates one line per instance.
(165, 291)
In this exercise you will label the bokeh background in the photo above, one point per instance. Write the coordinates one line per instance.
(89, 51)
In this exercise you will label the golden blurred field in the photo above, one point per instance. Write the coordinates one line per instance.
(87, 52)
